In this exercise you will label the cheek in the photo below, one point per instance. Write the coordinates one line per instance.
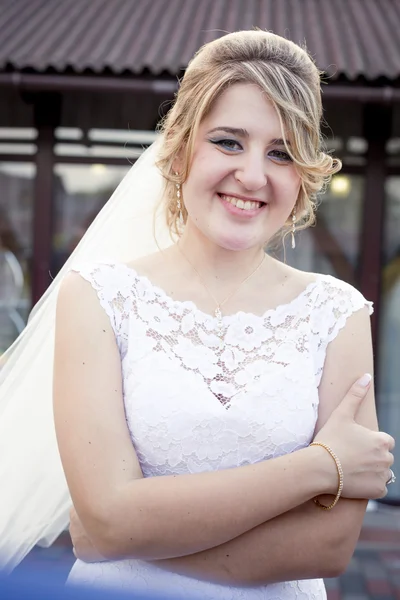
(201, 186)
(209, 168)
(289, 188)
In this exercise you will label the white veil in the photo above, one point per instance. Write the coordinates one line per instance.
(34, 499)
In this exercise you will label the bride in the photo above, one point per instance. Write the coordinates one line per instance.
(212, 437)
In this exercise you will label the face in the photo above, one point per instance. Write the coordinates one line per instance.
(242, 184)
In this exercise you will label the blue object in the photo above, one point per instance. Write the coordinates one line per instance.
(41, 585)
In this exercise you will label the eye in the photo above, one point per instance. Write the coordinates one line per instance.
(227, 144)
(280, 155)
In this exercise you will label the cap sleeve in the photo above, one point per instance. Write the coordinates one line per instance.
(336, 301)
(114, 291)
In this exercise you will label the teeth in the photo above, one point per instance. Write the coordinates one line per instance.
(244, 205)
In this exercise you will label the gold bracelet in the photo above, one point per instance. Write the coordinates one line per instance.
(340, 476)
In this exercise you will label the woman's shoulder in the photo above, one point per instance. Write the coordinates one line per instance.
(102, 275)
(341, 295)
(98, 267)
(155, 267)
(332, 302)
(327, 306)
(81, 303)
(113, 281)
(324, 285)
(105, 283)
(329, 299)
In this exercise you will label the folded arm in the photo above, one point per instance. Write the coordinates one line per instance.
(301, 544)
(157, 517)
(306, 542)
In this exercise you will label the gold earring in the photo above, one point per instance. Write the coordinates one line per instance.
(293, 228)
(178, 202)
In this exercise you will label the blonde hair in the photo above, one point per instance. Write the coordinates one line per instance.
(291, 81)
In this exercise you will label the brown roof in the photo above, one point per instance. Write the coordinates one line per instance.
(349, 38)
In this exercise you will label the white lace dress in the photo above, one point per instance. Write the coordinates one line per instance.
(214, 405)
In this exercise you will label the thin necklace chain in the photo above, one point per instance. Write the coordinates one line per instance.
(219, 305)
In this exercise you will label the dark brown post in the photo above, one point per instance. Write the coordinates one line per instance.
(47, 117)
(377, 128)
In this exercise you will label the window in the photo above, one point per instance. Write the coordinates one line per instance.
(80, 193)
(332, 246)
(389, 324)
(16, 215)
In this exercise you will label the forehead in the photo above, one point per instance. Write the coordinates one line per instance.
(246, 106)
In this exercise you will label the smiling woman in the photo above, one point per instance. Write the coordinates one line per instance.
(251, 172)
(289, 81)
(207, 397)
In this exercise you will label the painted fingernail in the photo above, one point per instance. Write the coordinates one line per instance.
(365, 380)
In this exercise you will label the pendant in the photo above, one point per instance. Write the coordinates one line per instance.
(218, 316)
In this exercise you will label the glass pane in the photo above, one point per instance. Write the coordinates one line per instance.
(388, 393)
(97, 152)
(332, 246)
(100, 144)
(351, 150)
(122, 136)
(80, 193)
(16, 214)
(18, 133)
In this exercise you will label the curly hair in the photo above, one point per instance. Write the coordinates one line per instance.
(290, 80)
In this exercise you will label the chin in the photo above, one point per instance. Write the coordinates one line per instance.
(238, 243)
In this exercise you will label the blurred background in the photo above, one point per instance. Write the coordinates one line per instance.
(83, 84)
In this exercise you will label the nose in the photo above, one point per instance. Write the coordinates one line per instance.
(252, 173)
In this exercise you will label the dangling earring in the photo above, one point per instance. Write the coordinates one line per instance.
(293, 228)
(178, 203)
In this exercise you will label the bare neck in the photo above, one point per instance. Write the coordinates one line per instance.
(216, 264)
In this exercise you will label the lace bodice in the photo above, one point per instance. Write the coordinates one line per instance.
(195, 402)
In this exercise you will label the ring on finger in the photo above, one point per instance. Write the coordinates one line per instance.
(392, 478)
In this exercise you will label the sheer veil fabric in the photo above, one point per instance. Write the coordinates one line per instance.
(34, 498)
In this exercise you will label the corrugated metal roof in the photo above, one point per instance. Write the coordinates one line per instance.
(348, 37)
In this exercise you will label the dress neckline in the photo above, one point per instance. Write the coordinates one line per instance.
(192, 307)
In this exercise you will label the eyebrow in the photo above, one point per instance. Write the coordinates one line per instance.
(232, 130)
(244, 133)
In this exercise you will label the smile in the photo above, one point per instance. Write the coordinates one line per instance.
(241, 206)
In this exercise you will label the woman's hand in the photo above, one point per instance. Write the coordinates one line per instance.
(82, 545)
(365, 455)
